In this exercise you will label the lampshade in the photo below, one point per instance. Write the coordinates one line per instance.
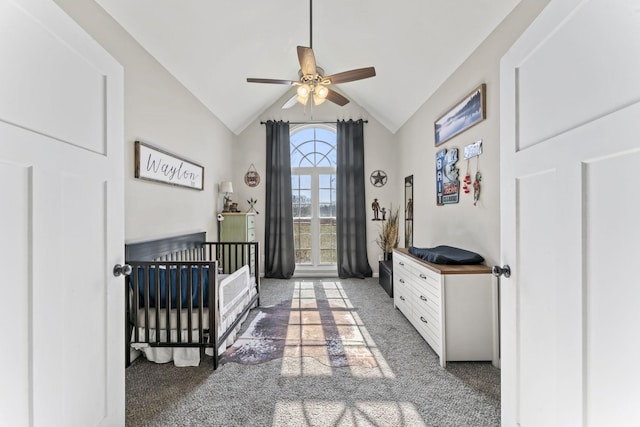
(304, 90)
(321, 91)
(317, 99)
(226, 187)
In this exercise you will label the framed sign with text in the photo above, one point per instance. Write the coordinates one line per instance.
(155, 164)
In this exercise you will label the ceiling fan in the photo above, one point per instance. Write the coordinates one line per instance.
(313, 84)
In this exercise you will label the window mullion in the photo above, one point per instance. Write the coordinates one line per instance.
(315, 217)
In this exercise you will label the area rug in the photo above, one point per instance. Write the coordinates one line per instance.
(327, 330)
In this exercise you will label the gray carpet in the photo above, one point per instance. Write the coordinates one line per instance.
(406, 388)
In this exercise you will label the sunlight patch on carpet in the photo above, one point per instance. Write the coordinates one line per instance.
(313, 333)
(343, 414)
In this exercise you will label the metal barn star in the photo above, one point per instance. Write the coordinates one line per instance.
(378, 178)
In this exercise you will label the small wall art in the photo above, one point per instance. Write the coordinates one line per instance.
(378, 178)
(252, 178)
(466, 113)
(155, 164)
(447, 183)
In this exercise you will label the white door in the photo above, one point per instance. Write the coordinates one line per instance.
(61, 227)
(570, 155)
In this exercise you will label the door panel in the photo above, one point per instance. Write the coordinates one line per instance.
(568, 78)
(61, 171)
(60, 93)
(569, 149)
(611, 222)
(15, 229)
(537, 300)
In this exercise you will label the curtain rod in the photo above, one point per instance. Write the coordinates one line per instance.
(313, 123)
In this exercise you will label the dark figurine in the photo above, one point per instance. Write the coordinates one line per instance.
(376, 210)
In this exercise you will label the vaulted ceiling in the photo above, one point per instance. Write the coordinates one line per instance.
(211, 47)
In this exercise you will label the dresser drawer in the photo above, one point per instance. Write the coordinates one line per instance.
(402, 297)
(427, 301)
(428, 318)
(431, 336)
(430, 279)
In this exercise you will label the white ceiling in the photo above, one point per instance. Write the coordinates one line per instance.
(213, 46)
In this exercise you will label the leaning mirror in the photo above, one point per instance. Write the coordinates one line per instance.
(408, 211)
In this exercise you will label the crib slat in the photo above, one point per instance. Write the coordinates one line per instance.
(214, 314)
(190, 302)
(136, 304)
(146, 303)
(179, 304)
(201, 303)
(167, 290)
(157, 304)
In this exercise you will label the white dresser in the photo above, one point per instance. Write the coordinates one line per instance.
(454, 307)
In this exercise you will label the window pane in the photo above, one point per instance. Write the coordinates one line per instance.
(325, 134)
(327, 241)
(305, 181)
(327, 256)
(296, 156)
(303, 256)
(327, 181)
(305, 196)
(301, 135)
(305, 211)
(324, 197)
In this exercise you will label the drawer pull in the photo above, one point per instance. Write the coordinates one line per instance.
(422, 276)
(423, 298)
(402, 298)
(423, 319)
(401, 263)
(401, 280)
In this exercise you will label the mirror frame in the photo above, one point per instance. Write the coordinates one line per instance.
(408, 211)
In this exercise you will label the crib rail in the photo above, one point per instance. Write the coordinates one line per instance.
(148, 277)
(166, 302)
(233, 255)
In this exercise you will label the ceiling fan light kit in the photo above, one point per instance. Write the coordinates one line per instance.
(313, 83)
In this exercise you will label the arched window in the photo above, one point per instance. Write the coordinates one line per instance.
(313, 185)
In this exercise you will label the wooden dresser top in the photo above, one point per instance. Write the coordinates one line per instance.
(447, 268)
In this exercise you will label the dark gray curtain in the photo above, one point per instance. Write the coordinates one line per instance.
(279, 251)
(351, 221)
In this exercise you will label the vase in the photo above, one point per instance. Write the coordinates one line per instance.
(388, 256)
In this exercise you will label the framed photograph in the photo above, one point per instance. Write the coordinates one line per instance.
(155, 164)
(466, 113)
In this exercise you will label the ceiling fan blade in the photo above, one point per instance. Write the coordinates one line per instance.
(336, 98)
(351, 75)
(307, 61)
(274, 81)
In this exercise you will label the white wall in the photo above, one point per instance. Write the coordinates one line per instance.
(160, 111)
(475, 228)
(380, 153)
